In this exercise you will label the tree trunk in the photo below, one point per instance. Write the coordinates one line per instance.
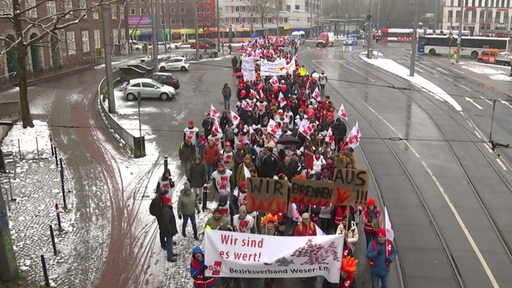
(26, 118)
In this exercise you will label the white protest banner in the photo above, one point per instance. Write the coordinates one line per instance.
(248, 69)
(277, 67)
(241, 255)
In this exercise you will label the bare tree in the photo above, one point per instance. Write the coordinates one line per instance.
(264, 8)
(20, 14)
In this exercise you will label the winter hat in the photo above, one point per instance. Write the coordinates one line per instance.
(191, 123)
(371, 201)
(381, 232)
(228, 144)
(242, 209)
(223, 200)
(305, 215)
(167, 200)
(243, 185)
(220, 165)
(186, 185)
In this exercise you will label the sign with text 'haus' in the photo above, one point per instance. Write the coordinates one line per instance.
(241, 255)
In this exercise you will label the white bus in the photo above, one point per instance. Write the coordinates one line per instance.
(470, 46)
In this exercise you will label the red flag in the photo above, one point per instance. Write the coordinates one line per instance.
(354, 136)
(316, 95)
(342, 113)
(282, 100)
(234, 118)
(213, 112)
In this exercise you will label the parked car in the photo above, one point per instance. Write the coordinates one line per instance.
(211, 44)
(136, 46)
(174, 45)
(166, 78)
(148, 89)
(351, 40)
(174, 63)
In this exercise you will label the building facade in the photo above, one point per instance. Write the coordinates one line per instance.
(77, 44)
(480, 17)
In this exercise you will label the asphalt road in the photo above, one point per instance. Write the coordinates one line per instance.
(447, 193)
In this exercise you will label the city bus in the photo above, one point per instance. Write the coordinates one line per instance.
(405, 34)
(470, 45)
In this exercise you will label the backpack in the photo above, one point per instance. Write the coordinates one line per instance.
(155, 208)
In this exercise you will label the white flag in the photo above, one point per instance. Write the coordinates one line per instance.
(213, 112)
(354, 136)
(282, 100)
(342, 113)
(234, 118)
(316, 95)
(390, 233)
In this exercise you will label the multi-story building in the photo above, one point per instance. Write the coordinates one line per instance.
(74, 45)
(480, 17)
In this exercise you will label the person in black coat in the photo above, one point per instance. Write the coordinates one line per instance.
(288, 167)
(196, 176)
(269, 164)
(340, 131)
(167, 225)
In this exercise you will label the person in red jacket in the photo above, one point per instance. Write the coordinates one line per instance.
(211, 157)
(372, 220)
(306, 227)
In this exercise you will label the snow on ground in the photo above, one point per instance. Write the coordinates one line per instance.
(399, 70)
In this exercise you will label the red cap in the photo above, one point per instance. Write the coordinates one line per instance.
(190, 122)
(228, 144)
(220, 165)
(243, 185)
(381, 232)
(370, 201)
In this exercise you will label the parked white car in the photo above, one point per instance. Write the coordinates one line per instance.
(174, 63)
(148, 88)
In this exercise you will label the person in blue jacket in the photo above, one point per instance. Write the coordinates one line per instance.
(197, 269)
(380, 253)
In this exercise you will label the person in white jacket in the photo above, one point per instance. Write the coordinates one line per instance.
(351, 235)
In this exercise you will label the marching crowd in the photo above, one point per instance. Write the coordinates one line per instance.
(285, 126)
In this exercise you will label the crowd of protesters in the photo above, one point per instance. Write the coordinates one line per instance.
(283, 126)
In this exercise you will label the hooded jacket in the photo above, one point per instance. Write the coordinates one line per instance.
(187, 202)
(197, 271)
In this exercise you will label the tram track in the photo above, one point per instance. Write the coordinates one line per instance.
(475, 191)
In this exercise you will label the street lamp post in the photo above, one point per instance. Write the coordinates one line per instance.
(218, 25)
(460, 31)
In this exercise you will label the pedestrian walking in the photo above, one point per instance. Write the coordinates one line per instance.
(229, 48)
(306, 227)
(226, 95)
(234, 63)
(196, 176)
(211, 158)
(165, 184)
(381, 253)
(216, 221)
(191, 132)
(187, 206)
(348, 272)
(454, 57)
(155, 209)
(322, 80)
(187, 153)
(372, 219)
(168, 228)
(197, 269)
(242, 222)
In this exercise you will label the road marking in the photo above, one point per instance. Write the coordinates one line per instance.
(506, 103)
(473, 102)
(442, 70)
(464, 87)
(501, 164)
(448, 201)
(483, 98)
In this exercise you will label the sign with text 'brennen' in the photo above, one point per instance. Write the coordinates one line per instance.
(241, 255)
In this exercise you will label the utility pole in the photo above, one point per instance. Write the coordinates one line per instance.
(218, 25)
(414, 40)
(195, 28)
(8, 266)
(369, 52)
(154, 33)
(108, 58)
(459, 37)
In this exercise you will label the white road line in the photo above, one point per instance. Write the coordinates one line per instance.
(419, 69)
(442, 70)
(448, 201)
(506, 103)
(464, 87)
(473, 102)
(483, 98)
(501, 164)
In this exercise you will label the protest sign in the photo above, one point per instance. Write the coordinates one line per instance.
(277, 67)
(265, 194)
(351, 186)
(241, 255)
(307, 191)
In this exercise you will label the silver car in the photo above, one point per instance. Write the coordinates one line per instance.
(148, 89)
(174, 63)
